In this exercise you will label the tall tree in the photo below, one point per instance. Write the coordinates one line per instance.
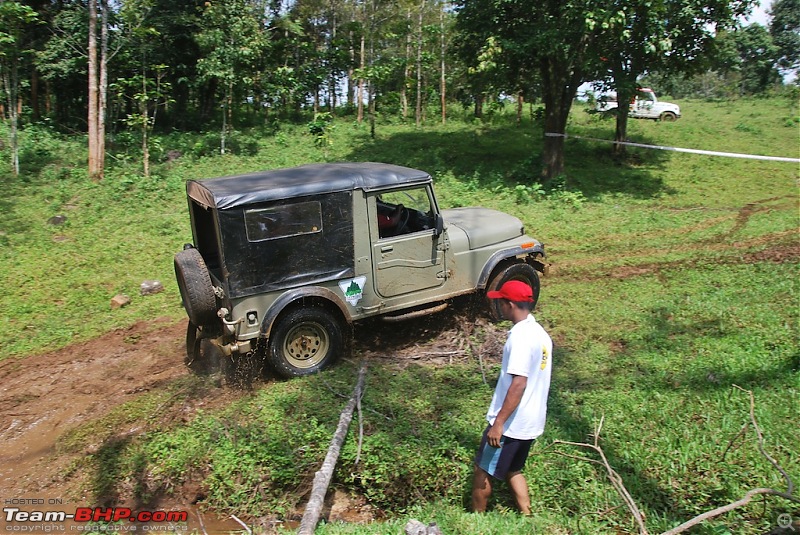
(98, 87)
(550, 37)
(233, 39)
(443, 60)
(62, 62)
(785, 30)
(171, 41)
(758, 57)
(674, 36)
(14, 17)
(418, 111)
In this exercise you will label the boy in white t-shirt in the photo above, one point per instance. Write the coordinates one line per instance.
(518, 410)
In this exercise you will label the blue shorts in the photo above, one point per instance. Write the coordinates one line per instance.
(509, 457)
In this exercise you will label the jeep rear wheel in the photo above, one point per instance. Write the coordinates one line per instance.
(305, 341)
(195, 286)
(519, 271)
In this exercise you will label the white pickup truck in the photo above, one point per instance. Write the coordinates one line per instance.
(645, 105)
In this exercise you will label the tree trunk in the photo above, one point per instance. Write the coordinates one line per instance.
(95, 172)
(419, 65)
(145, 140)
(332, 79)
(350, 86)
(626, 85)
(322, 478)
(48, 107)
(360, 96)
(35, 107)
(621, 132)
(559, 85)
(442, 82)
(371, 83)
(11, 87)
(407, 68)
(102, 97)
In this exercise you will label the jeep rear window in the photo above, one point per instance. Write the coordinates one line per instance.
(283, 221)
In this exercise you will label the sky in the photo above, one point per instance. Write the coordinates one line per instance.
(760, 13)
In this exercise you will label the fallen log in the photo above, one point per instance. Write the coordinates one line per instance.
(322, 478)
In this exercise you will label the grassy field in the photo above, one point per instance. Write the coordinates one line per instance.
(674, 277)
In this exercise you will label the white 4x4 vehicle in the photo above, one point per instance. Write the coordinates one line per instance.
(644, 106)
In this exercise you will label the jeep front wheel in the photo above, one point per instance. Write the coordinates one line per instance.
(305, 341)
(519, 271)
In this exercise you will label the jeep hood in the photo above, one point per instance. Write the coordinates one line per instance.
(483, 226)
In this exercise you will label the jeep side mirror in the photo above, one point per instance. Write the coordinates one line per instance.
(439, 225)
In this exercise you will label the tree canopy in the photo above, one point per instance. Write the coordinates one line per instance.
(222, 64)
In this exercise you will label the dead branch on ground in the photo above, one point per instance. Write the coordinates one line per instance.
(613, 476)
(619, 486)
(749, 495)
(322, 478)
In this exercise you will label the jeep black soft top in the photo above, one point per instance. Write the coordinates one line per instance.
(312, 179)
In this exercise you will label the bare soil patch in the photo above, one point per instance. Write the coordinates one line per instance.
(45, 396)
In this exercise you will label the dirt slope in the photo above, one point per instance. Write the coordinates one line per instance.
(43, 396)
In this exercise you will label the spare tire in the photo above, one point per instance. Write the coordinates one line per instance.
(196, 288)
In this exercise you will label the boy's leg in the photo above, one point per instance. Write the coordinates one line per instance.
(519, 487)
(481, 489)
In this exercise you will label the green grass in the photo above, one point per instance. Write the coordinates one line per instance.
(666, 290)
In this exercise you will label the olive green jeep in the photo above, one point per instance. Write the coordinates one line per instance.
(285, 261)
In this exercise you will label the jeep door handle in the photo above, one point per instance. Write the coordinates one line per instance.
(387, 248)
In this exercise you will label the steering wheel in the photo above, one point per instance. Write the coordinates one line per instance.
(404, 217)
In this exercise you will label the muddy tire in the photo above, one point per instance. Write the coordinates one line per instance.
(519, 271)
(668, 116)
(304, 341)
(196, 288)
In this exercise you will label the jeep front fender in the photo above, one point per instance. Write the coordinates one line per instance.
(531, 255)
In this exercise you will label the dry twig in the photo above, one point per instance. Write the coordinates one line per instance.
(749, 495)
(613, 476)
(249, 531)
(619, 486)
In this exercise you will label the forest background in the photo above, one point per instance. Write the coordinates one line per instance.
(118, 70)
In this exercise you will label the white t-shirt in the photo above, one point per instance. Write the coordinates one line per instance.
(528, 352)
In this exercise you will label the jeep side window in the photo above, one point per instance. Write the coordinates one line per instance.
(404, 212)
(283, 221)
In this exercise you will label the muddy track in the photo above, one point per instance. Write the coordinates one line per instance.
(778, 248)
(44, 396)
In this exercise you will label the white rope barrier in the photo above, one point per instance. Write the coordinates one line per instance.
(679, 149)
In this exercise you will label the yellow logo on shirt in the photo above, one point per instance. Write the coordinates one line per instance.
(545, 356)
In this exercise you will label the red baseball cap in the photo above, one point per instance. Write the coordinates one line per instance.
(516, 291)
